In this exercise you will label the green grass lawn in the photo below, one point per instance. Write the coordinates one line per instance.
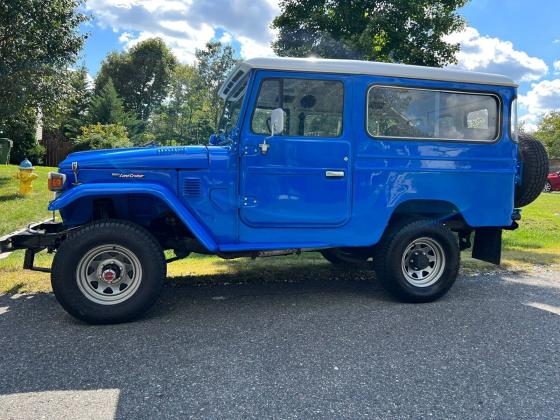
(535, 243)
(17, 211)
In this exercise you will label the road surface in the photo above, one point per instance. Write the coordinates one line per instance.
(309, 349)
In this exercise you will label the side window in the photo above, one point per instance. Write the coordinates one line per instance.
(313, 107)
(431, 114)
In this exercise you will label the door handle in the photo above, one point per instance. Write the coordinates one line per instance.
(264, 146)
(334, 174)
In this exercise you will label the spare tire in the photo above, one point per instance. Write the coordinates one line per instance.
(535, 170)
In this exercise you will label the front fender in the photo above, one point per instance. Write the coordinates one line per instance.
(163, 193)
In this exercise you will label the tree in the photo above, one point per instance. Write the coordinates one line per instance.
(102, 136)
(79, 104)
(548, 131)
(21, 131)
(399, 31)
(39, 40)
(184, 118)
(107, 107)
(141, 76)
(189, 113)
(213, 64)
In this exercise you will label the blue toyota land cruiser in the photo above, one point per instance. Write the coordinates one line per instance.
(404, 165)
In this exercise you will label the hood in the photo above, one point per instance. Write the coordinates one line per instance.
(180, 157)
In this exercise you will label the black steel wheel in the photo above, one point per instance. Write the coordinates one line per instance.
(417, 261)
(108, 272)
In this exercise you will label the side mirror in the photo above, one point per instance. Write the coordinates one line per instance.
(277, 121)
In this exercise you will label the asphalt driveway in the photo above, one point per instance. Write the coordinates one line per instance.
(489, 349)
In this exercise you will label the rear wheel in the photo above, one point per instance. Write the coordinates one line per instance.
(547, 187)
(417, 261)
(108, 272)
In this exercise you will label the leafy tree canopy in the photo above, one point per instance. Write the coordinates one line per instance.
(403, 31)
(213, 64)
(103, 136)
(70, 113)
(548, 132)
(189, 113)
(107, 108)
(141, 75)
(39, 40)
(184, 117)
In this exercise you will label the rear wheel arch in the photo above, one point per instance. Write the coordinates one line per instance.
(442, 211)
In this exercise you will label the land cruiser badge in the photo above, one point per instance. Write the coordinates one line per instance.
(121, 175)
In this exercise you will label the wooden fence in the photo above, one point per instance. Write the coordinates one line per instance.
(57, 149)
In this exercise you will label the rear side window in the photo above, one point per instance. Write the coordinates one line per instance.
(432, 114)
(313, 107)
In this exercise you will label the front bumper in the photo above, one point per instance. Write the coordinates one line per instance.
(33, 239)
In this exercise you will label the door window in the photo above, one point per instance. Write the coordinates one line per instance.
(313, 107)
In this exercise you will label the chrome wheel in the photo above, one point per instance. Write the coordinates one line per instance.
(423, 262)
(109, 274)
(547, 187)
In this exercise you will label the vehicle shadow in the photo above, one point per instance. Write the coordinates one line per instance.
(4, 180)
(279, 271)
(312, 345)
(9, 197)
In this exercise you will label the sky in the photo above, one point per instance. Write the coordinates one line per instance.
(517, 38)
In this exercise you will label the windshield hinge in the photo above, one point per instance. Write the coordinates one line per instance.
(75, 171)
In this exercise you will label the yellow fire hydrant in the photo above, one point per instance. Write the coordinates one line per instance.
(26, 177)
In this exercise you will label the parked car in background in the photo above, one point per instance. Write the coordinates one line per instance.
(553, 182)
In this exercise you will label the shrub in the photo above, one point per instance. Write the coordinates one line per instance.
(99, 136)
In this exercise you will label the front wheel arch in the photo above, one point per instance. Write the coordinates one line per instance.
(87, 192)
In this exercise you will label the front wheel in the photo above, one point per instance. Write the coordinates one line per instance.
(108, 272)
(547, 187)
(417, 261)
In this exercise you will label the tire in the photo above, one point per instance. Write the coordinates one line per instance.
(338, 256)
(547, 187)
(410, 246)
(535, 170)
(126, 267)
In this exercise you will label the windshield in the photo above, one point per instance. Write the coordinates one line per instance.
(232, 107)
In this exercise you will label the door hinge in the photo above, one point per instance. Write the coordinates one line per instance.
(247, 201)
(249, 150)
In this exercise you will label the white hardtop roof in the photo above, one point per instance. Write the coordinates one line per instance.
(377, 69)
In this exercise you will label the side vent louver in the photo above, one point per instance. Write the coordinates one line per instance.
(192, 187)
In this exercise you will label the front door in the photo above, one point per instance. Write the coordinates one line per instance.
(304, 178)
